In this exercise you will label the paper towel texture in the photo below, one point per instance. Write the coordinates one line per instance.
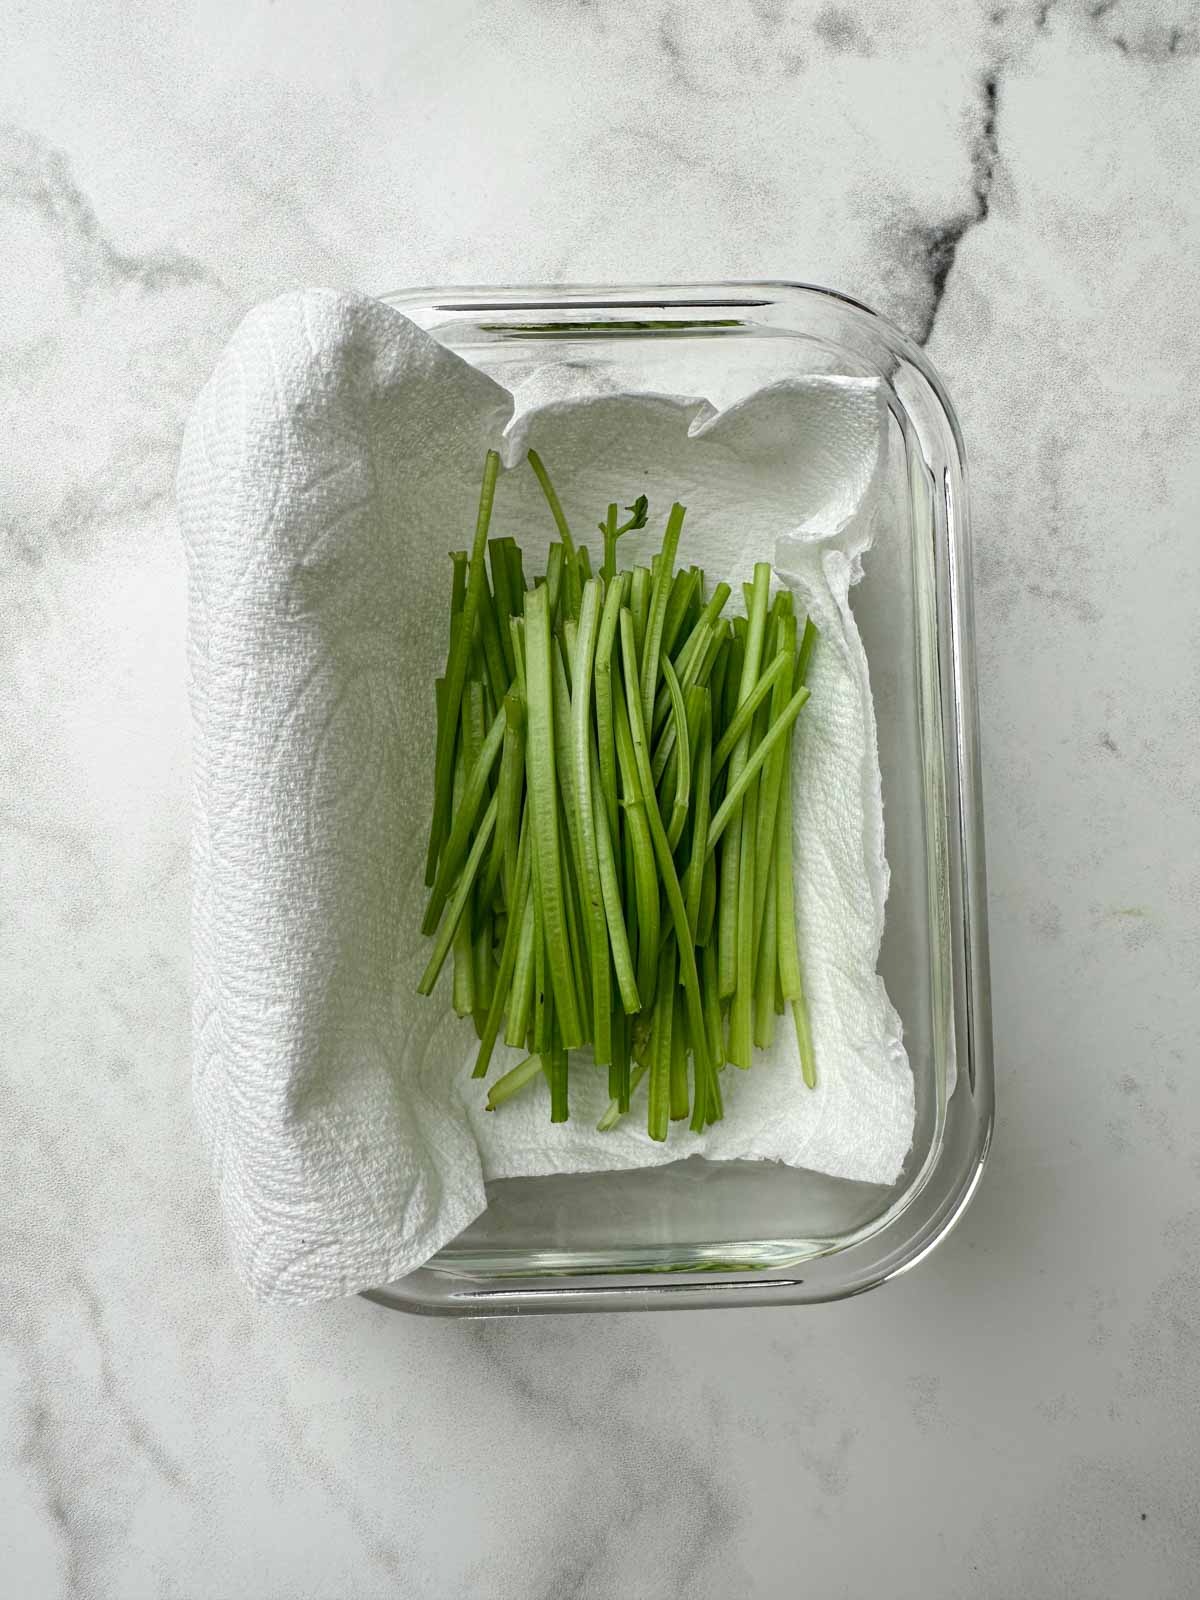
(331, 463)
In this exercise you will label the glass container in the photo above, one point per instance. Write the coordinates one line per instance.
(700, 1233)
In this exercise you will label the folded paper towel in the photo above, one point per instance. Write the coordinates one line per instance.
(331, 462)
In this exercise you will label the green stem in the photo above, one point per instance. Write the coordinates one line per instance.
(683, 587)
(766, 967)
(808, 1062)
(553, 584)
(520, 1006)
(741, 1011)
(806, 649)
(498, 675)
(590, 883)
(645, 876)
(516, 628)
(460, 565)
(460, 645)
(639, 603)
(712, 1005)
(726, 910)
(510, 785)
(666, 864)
(572, 841)
(458, 901)
(502, 991)
(744, 715)
(730, 871)
(680, 1104)
(576, 946)
(629, 901)
(515, 1079)
(616, 1110)
(659, 1109)
(439, 696)
(716, 678)
(693, 882)
(543, 993)
(507, 604)
(772, 776)
(454, 853)
(617, 933)
(751, 886)
(612, 533)
(463, 990)
(559, 1104)
(618, 1068)
(708, 902)
(695, 676)
(656, 620)
(447, 727)
(790, 980)
(728, 807)
(485, 969)
(605, 734)
(682, 800)
(552, 500)
(543, 803)
(608, 567)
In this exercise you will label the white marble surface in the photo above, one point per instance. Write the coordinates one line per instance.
(1017, 184)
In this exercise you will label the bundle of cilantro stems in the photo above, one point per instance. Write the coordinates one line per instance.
(610, 858)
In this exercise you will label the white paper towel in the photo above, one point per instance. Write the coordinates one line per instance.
(332, 461)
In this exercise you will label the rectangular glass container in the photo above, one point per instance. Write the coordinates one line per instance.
(700, 1233)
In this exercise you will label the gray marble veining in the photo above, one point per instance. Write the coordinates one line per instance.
(1016, 184)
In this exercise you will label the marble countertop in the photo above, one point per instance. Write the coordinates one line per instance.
(1016, 184)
